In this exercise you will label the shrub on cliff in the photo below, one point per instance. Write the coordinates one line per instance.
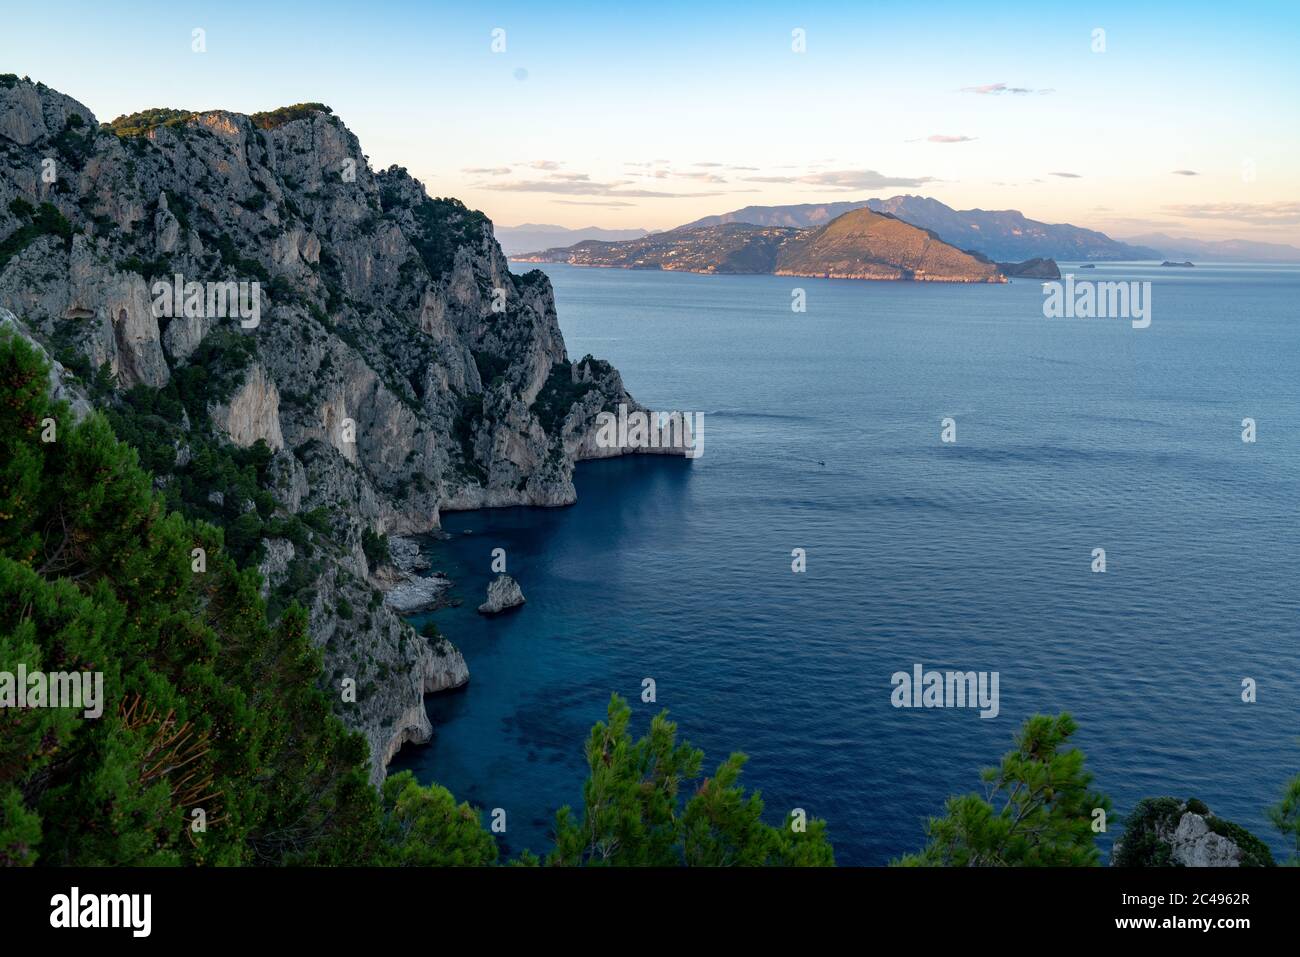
(1150, 837)
(636, 810)
(1038, 812)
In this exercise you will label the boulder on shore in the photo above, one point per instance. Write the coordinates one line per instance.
(503, 593)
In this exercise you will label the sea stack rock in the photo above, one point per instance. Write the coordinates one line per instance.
(502, 593)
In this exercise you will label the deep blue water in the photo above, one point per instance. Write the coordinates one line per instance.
(1072, 434)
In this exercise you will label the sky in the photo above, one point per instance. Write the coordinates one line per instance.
(1181, 117)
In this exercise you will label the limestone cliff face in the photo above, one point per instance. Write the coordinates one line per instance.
(253, 412)
(396, 368)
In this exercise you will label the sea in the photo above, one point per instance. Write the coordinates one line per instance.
(824, 431)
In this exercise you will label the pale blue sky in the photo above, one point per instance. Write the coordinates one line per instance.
(657, 115)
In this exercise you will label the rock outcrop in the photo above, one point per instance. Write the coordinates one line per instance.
(396, 367)
(503, 593)
(1166, 832)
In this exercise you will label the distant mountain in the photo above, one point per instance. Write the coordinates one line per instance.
(1223, 250)
(863, 244)
(1002, 235)
(800, 216)
(518, 239)
(859, 244)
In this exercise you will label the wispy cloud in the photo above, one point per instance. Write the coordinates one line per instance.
(1185, 172)
(611, 204)
(565, 187)
(544, 164)
(846, 179)
(941, 138)
(487, 170)
(1068, 175)
(998, 89)
(1257, 214)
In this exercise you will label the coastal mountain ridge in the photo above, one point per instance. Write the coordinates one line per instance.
(1001, 235)
(858, 244)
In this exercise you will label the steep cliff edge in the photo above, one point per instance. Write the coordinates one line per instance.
(306, 352)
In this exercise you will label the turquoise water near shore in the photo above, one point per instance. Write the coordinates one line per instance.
(822, 431)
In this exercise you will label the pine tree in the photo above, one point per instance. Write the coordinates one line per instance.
(1038, 810)
(633, 813)
(1285, 816)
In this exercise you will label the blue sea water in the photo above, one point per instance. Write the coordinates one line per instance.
(822, 432)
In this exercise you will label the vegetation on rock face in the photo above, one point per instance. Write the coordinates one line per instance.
(444, 225)
(1154, 820)
(1038, 810)
(375, 546)
(43, 220)
(270, 119)
(144, 122)
(557, 397)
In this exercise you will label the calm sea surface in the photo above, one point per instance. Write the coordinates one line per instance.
(822, 432)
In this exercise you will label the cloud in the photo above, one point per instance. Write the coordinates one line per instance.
(1068, 175)
(585, 187)
(997, 89)
(846, 180)
(544, 164)
(940, 138)
(707, 164)
(1185, 172)
(612, 204)
(1256, 214)
(487, 170)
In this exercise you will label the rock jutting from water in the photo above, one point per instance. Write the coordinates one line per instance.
(503, 593)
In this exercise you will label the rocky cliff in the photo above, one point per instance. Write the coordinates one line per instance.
(308, 352)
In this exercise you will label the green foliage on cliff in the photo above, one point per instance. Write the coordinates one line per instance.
(42, 220)
(1144, 846)
(557, 397)
(637, 810)
(1038, 811)
(139, 124)
(270, 119)
(443, 226)
(375, 546)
